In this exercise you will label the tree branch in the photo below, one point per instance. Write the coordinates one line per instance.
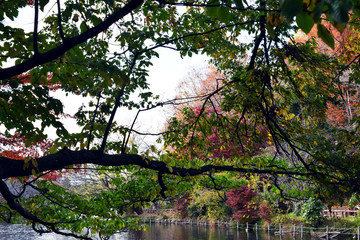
(59, 22)
(36, 22)
(66, 157)
(56, 52)
(93, 120)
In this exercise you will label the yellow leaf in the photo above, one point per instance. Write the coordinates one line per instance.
(34, 162)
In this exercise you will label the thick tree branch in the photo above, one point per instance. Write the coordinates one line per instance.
(66, 157)
(56, 52)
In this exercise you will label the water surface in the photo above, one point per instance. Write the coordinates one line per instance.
(156, 232)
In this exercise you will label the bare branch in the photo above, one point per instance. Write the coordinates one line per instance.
(60, 22)
(36, 22)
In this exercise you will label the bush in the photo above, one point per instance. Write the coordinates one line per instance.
(311, 211)
(353, 201)
(297, 209)
(246, 209)
(209, 205)
(182, 204)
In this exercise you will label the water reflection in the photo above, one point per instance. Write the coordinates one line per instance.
(197, 232)
(157, 232)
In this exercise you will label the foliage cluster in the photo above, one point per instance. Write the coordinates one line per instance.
(311, 211)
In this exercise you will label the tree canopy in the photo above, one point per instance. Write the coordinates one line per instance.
(276, 95)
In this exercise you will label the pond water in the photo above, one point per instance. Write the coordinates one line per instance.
(157, 232)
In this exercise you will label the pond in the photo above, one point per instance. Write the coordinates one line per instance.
(156, 231)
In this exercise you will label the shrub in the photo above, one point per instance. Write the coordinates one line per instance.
(353, 201)
(311, 211)
(209, 204)
(182, 204)
(246, 209)
(297, 209)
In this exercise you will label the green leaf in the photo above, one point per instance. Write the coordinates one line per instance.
(291, 8)
(326, 36)
(124, 77)
(83, 27)
(318, 11)
(238, 3)
(212, 11)
(356, 12)
(224, 14)
(339, 26)
(42, 4)
(305, 22)
(339, 10)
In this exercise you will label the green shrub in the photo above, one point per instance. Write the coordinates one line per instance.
(208, 204)
(354, 200)
(297, 208)
(311, 211)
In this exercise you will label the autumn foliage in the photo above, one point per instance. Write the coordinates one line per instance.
(244, 205)
(15, 146)
(205, 130)
(181, 205)
(26, 79)
(342, 108)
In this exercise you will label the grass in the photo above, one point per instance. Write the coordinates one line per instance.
(347, 222)
(290, 219)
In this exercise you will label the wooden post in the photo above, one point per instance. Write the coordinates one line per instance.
(358, 233)
(280, 229)
(327, 232)
(294, 229)
(247, 226)
(255, 226)
(268, 227)
(237, 226)
(301, 232)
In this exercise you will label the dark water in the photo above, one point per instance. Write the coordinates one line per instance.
(156, 232)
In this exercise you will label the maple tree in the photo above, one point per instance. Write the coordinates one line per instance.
(244, 206)
(270, 84)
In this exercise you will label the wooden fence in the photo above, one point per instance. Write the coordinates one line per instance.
(337, 213)
(340, 213)
(295, 230)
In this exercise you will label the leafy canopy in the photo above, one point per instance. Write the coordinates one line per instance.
(275, 89)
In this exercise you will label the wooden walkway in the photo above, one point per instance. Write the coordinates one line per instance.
(334, 234)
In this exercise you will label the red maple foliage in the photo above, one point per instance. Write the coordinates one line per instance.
(14, 146)
(182, 204)
(26, 79)
(246, 209)
(223, 141)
